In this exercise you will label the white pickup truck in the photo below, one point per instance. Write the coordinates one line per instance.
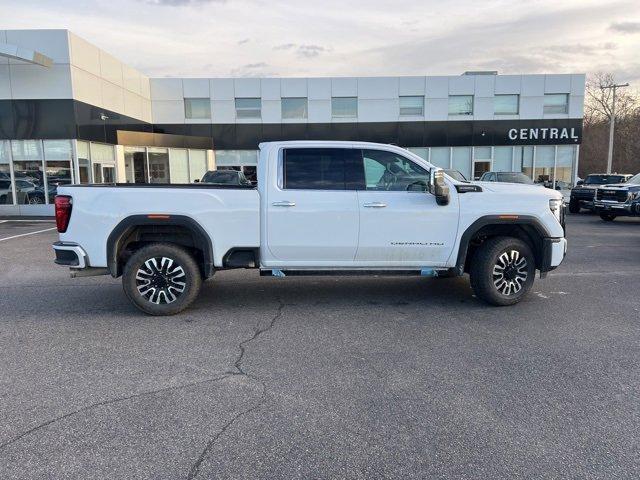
(323, 208)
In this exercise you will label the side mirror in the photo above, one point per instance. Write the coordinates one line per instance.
(580, 182)
(438, 186)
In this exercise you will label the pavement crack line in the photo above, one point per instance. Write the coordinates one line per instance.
(109, 402)
(195, 468)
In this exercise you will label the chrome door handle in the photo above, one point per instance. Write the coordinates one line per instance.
(375, 205)
(284, 203)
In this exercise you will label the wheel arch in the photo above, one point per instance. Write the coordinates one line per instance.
(525, 227)
(137, 230)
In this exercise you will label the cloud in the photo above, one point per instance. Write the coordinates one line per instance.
(303, 50)
(243, 41)
(180, 3)
(625, 27)
(258, 69)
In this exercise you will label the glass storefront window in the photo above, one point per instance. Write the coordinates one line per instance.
(57, 155)
(502, 159)
(440, 156)
(564, 164)
(6, 189)
(102, 156)
(197, 164)
(158, 159)
(545, 157)
(461, 160)
(135, 164)
(84, 165)
(524, 157)
(460, 104)
(28, 171)
(179, 165)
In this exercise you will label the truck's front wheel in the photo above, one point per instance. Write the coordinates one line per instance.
(502, 271)
(161, 279)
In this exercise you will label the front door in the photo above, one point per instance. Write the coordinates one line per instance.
(401, 224)
(312, 211)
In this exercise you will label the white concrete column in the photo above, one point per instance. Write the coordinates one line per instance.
(121, 172)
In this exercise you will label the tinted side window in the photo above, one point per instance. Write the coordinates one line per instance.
(314, 169)
(385, 170)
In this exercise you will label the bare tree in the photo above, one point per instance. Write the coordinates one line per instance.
(597, 115)
(598, 100)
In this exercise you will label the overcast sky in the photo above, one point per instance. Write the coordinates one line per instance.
(340, 37)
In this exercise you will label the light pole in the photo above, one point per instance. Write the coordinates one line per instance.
(612, 121)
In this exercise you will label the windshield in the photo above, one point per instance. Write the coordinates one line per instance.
(603, 179)
(635, 179)
(456, 175)
(514, 177)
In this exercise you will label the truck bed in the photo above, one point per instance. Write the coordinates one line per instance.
(229, 214)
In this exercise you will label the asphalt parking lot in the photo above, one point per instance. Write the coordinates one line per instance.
(313, 377)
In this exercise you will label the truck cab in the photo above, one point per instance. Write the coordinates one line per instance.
(320, 208)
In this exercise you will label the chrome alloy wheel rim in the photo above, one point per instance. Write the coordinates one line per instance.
(161, 280)
(510, 272)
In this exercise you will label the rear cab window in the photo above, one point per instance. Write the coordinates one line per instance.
(321, 169)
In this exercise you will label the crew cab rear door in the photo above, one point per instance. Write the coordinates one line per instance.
(311, 209)
(401, 225)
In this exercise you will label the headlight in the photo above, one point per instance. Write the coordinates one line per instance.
(555, 204)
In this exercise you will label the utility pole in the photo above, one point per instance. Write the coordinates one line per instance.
(612, 122)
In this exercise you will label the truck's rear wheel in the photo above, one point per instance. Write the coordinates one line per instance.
(161, 279)
(502, 271)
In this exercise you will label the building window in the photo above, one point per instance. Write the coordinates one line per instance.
(294, 108)
(248, 108)
(556, 102)
(460, 104)
(412, 106)
(344, 107)
(197, 108)
(506, 104)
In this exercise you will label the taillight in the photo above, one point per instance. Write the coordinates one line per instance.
(63, 212)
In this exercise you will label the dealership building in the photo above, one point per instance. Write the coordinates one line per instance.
(72, 113)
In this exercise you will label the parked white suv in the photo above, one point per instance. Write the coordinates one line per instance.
(319, 208)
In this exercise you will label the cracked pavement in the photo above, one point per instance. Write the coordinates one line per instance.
(321, 377)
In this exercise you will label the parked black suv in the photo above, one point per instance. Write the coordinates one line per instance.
(617, 200)
(582, 195)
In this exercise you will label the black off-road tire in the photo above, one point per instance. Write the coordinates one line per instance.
(170, 270)
(607, 217)
(574, 206)
(486, 283)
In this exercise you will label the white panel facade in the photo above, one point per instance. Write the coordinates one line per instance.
(223, 111)
(293, 87)
(84, 55)
(52, 43)
(532, 85)
(86, 86)
(270, 88)
(557, 83)
(5, 82)
(378, 88)
(246, 87)
(195, 88)
(3, 39)
(408, 86)
(112, 96)
(531, 107)
(462, 85)
(485, 85)
(221, 88)
(578, 84)
(344, 87)
(506, 84)
(437, 108)
(271, 112)
(132, 104)
(34, 81)
(168, 111)
(111, 69)
(437, 87)
(166, 89)
(483, 108)
(132, 80)
(576, 106)
(320, 111)
(378, 110)
(319, 88)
